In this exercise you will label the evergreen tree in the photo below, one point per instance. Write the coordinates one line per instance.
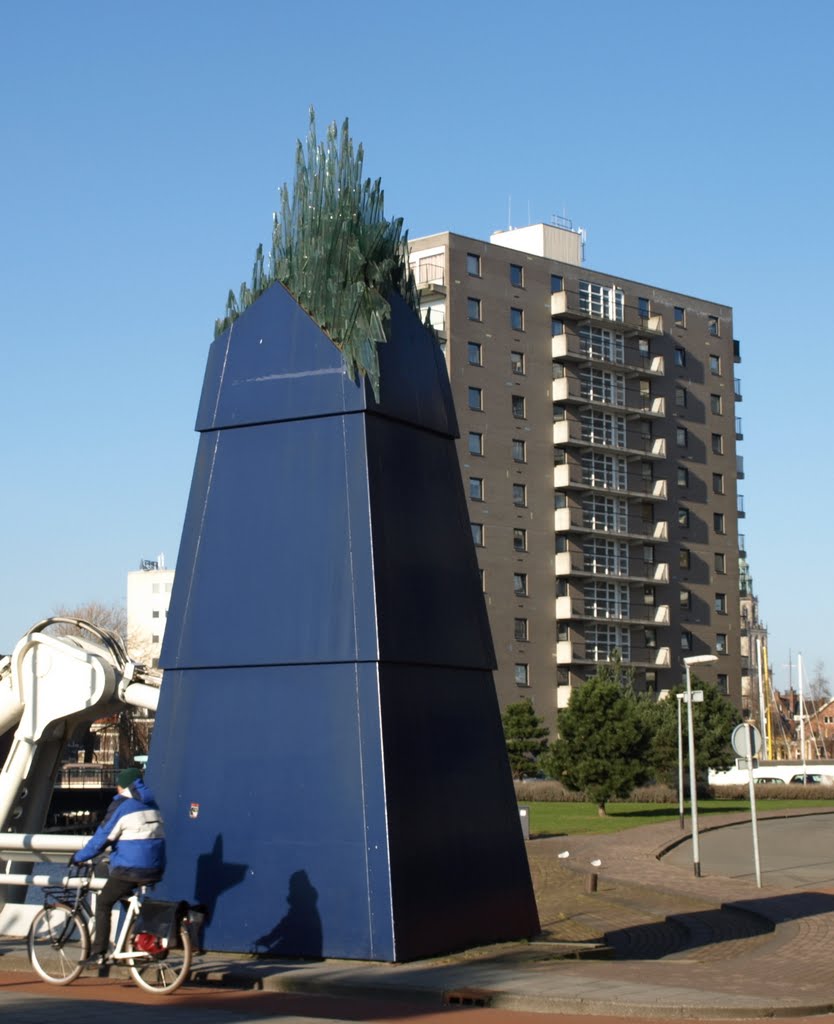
(713, 721)
(526, 737)
(603, 739)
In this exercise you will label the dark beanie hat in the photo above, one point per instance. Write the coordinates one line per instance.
(127, 777)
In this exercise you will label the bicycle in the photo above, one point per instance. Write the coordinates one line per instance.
(59, 939)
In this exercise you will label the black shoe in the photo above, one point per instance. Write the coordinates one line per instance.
(93, 960)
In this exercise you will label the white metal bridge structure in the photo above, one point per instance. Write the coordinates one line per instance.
(50, 685)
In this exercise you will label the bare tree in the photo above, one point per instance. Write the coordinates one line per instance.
(107, 616)
(819, 686)
(126, 733)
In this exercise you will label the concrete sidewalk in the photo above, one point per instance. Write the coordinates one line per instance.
(652, 940)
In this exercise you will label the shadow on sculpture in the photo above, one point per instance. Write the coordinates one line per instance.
(214, 877)
(298, 933)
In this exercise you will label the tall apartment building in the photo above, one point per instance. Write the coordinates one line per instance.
(598, 446)
(148, 596)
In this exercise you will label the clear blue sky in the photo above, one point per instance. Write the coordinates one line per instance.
(143, 145)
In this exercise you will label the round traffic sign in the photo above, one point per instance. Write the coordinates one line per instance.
(744, 737)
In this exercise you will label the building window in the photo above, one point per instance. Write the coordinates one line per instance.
(155, 614)
(683, 476)
(522, 676)
(721, 604)
(682, 437)
(519, 407)
(685, 599)
(476, 488)
(519, 451)
(718, 483)
(721, 683)
(516, 275)
(477, 534)
(517, 362)
(713, 326)
(720, 563)
(720, 643)
(680, 397)
(684, 558)
(155, 638)
(643, 309)
(715, 404)
(516, 318)
(686, 640)
(476, 399)
(557, 283)
(718, 522)
(651, 681)
(473, 309)
(473, 264)
(650, 637)
(482, 574)
(683, 517)
(519, 539)
(476, 443)
(154, 588)
(715, 365)
(680, 316)
(718, 444)
(474, 354)
(680, 357)
(556, 328)
(520, 495)
(520, 584)
(600, 301)
(649, 595)
(521, 629)
(648, 554)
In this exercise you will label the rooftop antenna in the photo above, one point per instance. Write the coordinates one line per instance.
(509, 213)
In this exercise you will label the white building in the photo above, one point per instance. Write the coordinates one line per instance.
(148, 596)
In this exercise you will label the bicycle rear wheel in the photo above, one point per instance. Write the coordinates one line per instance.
(57, 942)
(167, 971)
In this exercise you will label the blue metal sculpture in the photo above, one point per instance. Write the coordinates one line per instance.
(328, 749)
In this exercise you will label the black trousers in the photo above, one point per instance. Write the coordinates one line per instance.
(115, 889)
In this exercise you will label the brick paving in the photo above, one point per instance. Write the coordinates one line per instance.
(652, 940)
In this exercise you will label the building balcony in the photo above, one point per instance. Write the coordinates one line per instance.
(574, 520)
(737, 389)
(634, 361)
(574, 563)
(430, 277)
(569, 652)
(740, 467)
(435, 316)
(579, 608)
(570, 475)
(566, 305)
(569, 431)
(569, 389)
(740, 506)
(739, 431)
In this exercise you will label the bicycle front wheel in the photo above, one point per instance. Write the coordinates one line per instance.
(58, 941)
(165, 972)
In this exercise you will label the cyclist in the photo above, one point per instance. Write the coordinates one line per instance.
(133, 829)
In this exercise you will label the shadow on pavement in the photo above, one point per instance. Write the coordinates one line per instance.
(731, 922)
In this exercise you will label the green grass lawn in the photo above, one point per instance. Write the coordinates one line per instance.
(555, 819)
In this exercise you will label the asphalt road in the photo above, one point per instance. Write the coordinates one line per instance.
(793, 852)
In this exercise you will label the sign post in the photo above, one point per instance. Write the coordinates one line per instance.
(747, 742)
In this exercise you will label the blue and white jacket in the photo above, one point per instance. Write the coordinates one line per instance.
(133, 828)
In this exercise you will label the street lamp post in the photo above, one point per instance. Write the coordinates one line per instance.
(697, 659)
(681, 698)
